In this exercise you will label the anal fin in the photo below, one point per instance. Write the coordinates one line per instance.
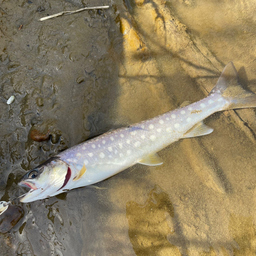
(151, 160)
(199, 129)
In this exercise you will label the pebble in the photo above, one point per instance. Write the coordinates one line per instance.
(10, 100)
(80, 79)
(36, 135)
(10, 217)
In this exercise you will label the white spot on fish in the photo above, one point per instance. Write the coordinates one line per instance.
(116, 151)
(167, 118)
(69, 160)
(190, 108)
(128, 141)
(120, 145)
(220, 99)
(102, 155)
(137, 144)
(83, 147)
(212, 95)
(169, 129)
(173, 116)
(75, 160)
(103, 142)
(112, 138)
(142, 126)
(90, 154)
(121, 135)
(143, 136)
(121, 154)
(78, 154)
(133, 133)
(182, 112)
(99, 145)
(158, 130)
(110, 149)
(189, 119)
(210, 101)
(151, 126)
(161, 121)
(202, 105)
(129, 152)
(93, 146)
(177, 125)
(152, 137)
(86, 162)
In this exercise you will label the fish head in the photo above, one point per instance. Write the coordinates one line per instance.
(46, 180)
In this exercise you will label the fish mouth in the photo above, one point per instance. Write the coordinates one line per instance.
(31, 194)
(28, 184)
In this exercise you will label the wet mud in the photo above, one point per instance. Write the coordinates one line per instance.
(77, 76)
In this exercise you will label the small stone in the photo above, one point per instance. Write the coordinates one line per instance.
(10, 217)
(80, 79)
(55, 138)
(39, 136)
(10, 100)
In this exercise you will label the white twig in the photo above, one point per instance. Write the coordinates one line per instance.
(71, 12)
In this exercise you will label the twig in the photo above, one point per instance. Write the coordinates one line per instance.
(71, 12)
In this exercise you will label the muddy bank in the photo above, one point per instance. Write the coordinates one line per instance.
(80, 75)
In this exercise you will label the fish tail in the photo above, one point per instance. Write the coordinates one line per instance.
(229, 88)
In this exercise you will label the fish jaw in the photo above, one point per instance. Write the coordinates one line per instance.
(30, 196)
(34, 190)
(33, 194)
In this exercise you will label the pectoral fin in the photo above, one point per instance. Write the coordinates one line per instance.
(199, 129)
(80, 174)
(151, 160)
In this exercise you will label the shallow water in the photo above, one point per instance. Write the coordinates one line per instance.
(81, 75)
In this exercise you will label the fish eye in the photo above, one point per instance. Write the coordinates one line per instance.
(33, 174)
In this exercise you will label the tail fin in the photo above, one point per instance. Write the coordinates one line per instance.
(230, 89)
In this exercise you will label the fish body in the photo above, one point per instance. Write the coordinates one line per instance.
(117, 150)
(112, 152)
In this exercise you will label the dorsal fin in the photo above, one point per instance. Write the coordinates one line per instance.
(185, 103)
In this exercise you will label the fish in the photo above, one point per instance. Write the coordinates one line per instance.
(104, 156)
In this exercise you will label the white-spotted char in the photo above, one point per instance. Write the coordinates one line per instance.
(112, 152)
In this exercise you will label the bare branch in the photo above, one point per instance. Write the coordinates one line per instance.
(72, 12)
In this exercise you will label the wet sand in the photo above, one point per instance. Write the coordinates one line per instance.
(78, 76)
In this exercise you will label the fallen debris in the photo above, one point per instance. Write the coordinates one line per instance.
(72, 12)
(10, 100)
